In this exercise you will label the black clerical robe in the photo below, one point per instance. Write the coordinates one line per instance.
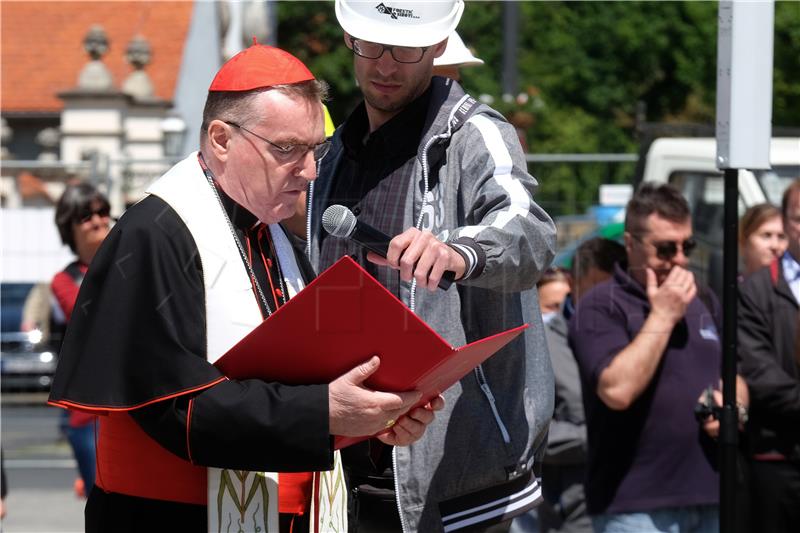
(137, 344)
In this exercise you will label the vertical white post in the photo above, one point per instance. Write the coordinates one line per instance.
(744, 83)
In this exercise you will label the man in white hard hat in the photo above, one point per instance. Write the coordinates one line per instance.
(456, 56)
(424, 162)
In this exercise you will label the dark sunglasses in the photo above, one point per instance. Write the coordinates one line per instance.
(667, 250)
(87, 214)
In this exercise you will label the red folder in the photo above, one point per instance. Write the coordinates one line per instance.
(339, 321)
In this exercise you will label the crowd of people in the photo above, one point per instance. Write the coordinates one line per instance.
(587, 422)
(643, 462)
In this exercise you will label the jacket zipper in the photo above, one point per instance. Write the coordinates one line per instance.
(403, 527)
(309, 197)
(487, 391)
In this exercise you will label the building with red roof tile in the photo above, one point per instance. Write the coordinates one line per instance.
(42, 54)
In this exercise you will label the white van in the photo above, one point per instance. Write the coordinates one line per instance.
(689, 164)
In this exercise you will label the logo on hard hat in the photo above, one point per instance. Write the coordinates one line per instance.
(395, 12)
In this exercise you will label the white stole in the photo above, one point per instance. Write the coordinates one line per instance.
(237, 499)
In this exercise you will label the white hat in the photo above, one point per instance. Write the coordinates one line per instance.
(456, 54)
(400, 23)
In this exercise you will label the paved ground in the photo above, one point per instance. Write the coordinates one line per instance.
(41, 500)
(39, 469)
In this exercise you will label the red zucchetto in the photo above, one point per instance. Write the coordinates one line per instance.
(258, 67)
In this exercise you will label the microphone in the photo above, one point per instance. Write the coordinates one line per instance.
(339, 221)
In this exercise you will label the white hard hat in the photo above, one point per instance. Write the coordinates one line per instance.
(400, 23)
(456, 54)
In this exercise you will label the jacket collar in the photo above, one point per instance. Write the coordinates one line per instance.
(399, 135)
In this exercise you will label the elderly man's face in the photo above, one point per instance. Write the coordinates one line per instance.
(269, 182)
(661, 245)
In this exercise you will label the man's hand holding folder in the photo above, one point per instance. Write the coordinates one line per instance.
(356, 410)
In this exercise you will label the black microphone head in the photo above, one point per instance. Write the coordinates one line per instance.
(339, 221)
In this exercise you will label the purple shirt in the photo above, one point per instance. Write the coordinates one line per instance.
(654, 454)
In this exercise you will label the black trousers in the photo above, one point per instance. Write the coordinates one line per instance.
(107, 512)
(775, 496)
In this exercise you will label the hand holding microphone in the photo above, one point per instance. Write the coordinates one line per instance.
(415, 253)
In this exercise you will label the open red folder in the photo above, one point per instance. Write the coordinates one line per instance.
(339, 321)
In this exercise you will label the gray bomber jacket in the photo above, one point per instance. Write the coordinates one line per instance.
(486, 443)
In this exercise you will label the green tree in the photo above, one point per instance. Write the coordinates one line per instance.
(786, 76)
(582, 68)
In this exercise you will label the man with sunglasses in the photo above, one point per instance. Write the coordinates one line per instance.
(647, 344)
(424, 162)
(184, 275)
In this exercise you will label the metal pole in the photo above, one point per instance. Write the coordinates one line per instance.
(728, 431)
(510, 32)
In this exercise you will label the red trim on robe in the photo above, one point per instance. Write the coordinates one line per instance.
(67, 404)
(189, 430)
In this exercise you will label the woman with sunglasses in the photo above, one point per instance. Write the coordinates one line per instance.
(82, 218)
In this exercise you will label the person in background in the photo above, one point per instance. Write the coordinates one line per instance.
(553, 289)
(455, 57)
(444, 175)
(761, 237)
(83, 221)
(564, 468)
(769, 300)
(647, 344)
(761, 241)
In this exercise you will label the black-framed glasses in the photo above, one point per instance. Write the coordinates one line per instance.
(667, 250)
(290, 152)
(401, 54)
(87, 214)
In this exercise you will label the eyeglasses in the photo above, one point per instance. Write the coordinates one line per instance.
(667, 250)
(401, 54)
(87, 214)
(290, 152)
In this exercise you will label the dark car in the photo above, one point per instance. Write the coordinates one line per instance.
(28, 359)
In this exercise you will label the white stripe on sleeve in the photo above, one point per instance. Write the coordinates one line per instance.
(520, 201)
